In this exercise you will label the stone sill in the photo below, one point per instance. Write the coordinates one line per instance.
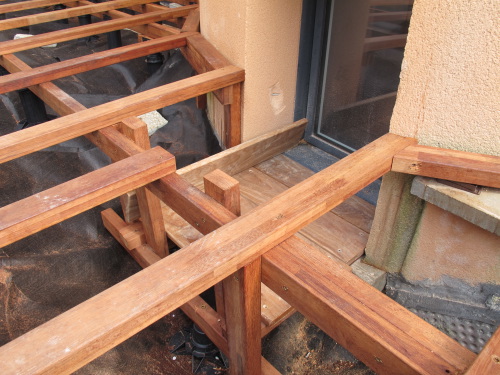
(482, 210)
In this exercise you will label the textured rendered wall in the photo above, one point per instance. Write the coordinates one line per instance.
(449, 92)
(263, 38)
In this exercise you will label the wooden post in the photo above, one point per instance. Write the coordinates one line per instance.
(232, 118)
(149, 204)
(238, 296)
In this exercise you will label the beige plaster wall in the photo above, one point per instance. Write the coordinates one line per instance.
(263, 38)
(449, 92)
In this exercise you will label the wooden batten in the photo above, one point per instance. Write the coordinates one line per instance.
(44, 39)
(59, 130)
(378, 331)
(78, 65)
(35, 19)
(51, 206)
(449, 165)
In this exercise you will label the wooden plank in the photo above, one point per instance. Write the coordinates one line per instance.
(273, 307)
(330, 232)
(54, 205)
(58, 36)
(86, 63)
(359, 317)
(488, 361)
(384, 42)
(192, 22)
(130, 236)
(355, 210)
(246, 155)
(38, 18)
(449, 165)
(64, 344)
(59, 130)
(24, 5)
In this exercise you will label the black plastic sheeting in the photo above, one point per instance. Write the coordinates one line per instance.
(49, 272)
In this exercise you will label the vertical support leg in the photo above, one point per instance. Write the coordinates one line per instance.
(240, 293)
(232, 117)
(149, 205)
(225, 190)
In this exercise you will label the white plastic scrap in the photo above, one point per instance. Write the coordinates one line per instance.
(154, 120)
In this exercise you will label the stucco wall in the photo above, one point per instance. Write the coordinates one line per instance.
(263, 38)
(448, 95)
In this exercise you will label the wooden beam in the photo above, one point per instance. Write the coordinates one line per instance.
(59, 130)
(54, 205)
(451, 165)
(35, 19)
(488, 361)
(46, 73)
(378, 331)
(384, 42)
(204, 57)
(64, 344)
(192, 22)
(24, 5)
(58, 36)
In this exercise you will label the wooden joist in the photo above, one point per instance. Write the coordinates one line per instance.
(451, 165)
(30, 4)
(133, 304)
(378, 331)
(59, 130)
(54, 205)
(86, 63)
(35, 19)
(44, 39)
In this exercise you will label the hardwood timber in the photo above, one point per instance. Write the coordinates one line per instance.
(382, 334)
(449, 165)
(273, 307)
(242, 312)
(192, 22)
(86, 63)
(55, 15)
(54, 205)
(488, 361)
(232, 118)
(151, 30)
(130, 236)
(24, 5)
(384, 42)
(52, 132)
(40, 40)
(127, 307)
(247, 154)
(225, 190)
(330, 232)
(149, 205)
(204, 57)
(354, 210)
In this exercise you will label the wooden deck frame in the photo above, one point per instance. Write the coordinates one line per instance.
(257, 233)
(241, 244)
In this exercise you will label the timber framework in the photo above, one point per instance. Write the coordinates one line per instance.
(241, 256)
